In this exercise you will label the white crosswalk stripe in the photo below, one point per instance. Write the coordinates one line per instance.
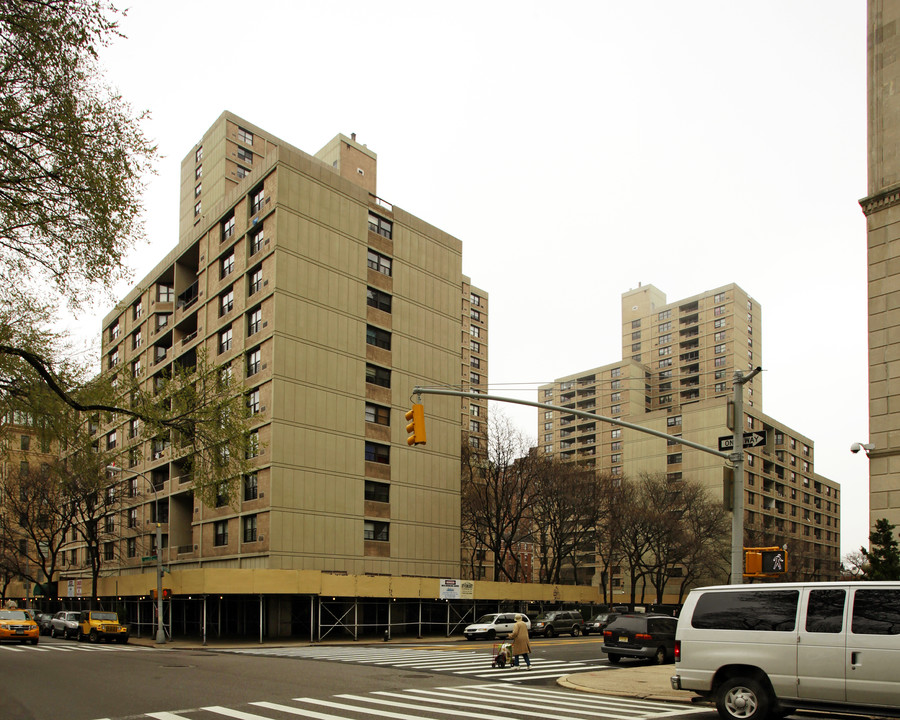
(72, 647)
(472, 702)
(457, 662)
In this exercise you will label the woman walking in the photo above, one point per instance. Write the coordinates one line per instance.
(520, 644)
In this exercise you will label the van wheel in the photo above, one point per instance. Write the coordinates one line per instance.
(741, 698)
(614, 659)
(491, 634)
(660, 657)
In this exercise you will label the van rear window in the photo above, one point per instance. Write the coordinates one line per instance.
(773, 610)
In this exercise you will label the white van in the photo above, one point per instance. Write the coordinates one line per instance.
(763, 650)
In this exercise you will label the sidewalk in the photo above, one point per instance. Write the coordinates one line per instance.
(647, 682)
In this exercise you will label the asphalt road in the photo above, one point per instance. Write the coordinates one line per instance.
(67, 680)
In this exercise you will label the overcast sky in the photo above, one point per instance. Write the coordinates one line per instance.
(579, 148)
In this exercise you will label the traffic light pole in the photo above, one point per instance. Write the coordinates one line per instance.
(736, 457)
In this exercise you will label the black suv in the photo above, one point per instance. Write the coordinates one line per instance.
(640, 636)
(598, 623)
(556, 622)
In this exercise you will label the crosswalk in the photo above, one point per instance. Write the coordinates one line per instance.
(457, 662)
(70, 647)
(472, 702)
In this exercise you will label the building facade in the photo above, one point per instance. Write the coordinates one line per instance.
(331, 304)
(675, 377)
(882, 210)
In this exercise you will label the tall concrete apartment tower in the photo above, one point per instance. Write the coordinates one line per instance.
(332, 304)
(675, 377)
(882, 211)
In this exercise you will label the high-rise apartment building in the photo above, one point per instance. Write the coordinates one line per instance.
(331, 304)
(675, 377)
(882, 210)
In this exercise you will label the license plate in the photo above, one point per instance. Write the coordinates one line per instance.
(623, 639)
(20, 631)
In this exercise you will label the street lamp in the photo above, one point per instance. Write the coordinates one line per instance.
(160, 630)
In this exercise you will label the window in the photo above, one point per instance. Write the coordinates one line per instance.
(475, 346)
(665, 327)
(130, 550)
(474, 331)
(226, 302)
(719, 349)
(225, 340)
(719, 298)
(378, 453)
(720, 361)
(754, 610)
(615, 409)
(134, 427)
(378, 300)
(720, 387)
(876, 612)
(377, 491)
(250, 528)
(636, 335)
(720, 323)
(615, 433)
(109, 552)
(136, 368)
(474, 426)
(378, 414)
(667, 338)
(245, 155)
(615, 458)
(635, 324)
(475, 314)
(665, 350)
(378, 337)
(132, 517)
(245, 136)
(226, 265)
(253, 361)
(256, 242)
(198, 172)
(227, 228)
(254, 321)
(673, 459)
(615, 384)
(138, 309)
(474, 378)
(257, 198)
(664, 315)
(162, 320)
(253, 401)
(474, 299)
(198, 207)
(165, 293)
(673, 420)
(114, 331)
(251, 486)
(379, 263)
(242, 172)
(198, 189)
(719, 336)
(136, 340)
(374, 530)
(256, 280)
(635, 347)
(615, 372)
(378, 375)
(719, 311)
(221, 533)
(253, 444)
(666, 362)
(381, 226)
(111, 441)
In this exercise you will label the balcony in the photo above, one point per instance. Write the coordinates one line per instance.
(189, 296)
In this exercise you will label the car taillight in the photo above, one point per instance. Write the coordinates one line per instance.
(677, 650)
(607, 633)
(643, 636)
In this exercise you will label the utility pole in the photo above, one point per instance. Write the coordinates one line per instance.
(737, 460)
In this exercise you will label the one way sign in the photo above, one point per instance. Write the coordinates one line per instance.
(751, 439)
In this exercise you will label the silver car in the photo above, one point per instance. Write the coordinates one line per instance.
(65, 624)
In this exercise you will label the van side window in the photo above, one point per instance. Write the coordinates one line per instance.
(825, 611)
(774, 610)
(876, 612)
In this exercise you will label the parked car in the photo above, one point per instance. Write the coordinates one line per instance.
(64, 624)
(493, 625)
(640, 636)
(44, 623)
(556, 622)
(97, 625)
(598, 623)
(764, 651)
(17, 626)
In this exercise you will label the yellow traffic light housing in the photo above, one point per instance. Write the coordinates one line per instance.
(416, 425)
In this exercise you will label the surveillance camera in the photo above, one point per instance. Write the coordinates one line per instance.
(855, 448)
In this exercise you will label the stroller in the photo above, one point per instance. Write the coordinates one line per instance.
(502, 655)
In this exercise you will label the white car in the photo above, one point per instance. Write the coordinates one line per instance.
(490, 626)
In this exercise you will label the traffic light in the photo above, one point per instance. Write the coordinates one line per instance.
(167, 593)
(416, 425)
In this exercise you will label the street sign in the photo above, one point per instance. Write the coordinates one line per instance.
(751, 440)
(148, 558)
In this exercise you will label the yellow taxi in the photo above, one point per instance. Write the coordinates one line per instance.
(18, 626)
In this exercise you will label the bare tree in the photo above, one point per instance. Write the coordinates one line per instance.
(495, 492)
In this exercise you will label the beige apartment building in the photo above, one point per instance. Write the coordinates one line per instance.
(882, 210)
(675, 377)
(332, 304)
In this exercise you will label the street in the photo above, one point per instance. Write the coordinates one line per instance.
(66, 680)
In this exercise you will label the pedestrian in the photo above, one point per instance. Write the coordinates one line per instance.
(520, 644)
